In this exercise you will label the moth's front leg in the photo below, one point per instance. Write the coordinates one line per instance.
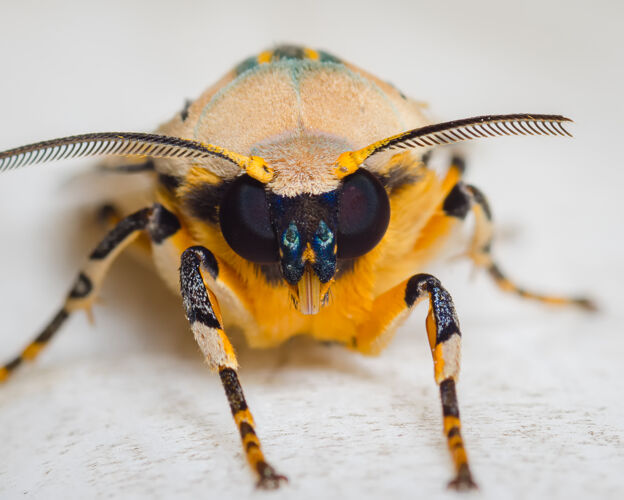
(202, 311)
(444, 338)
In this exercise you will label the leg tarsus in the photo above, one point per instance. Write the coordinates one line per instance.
(452, 428)
(463, 481)
(269, 478)
(508, 286)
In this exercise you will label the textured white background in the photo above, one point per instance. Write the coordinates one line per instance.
(126, 409)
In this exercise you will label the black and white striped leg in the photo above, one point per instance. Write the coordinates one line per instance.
(156, 220)
(445, 342)
(198, 268)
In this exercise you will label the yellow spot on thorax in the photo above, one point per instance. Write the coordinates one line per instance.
(311, 54)
(265, 57)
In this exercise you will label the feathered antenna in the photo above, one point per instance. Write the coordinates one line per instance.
(455, 131)
(129, 144)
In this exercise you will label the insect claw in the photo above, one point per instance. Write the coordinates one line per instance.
(586, 304)
(271, 480)
(463, 481)
(462, 484)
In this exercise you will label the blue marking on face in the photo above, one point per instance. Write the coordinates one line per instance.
(324, 246)
(305, 220)
(291, 249)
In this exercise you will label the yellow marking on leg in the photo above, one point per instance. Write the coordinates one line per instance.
(556, 301)
(243, 416)
(439, 363)
(432, 329)
(4, 374)
(213, 300)
(32, 351)
(450, 422)
(506, 285)
(250, 438)
(253, 453)
(455, 442)
(227, 347)
(254, 456)
(458, 454)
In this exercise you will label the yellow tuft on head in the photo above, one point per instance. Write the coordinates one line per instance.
(258, 168)
(347, 163)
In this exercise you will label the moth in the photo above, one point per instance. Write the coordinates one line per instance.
(294, 197)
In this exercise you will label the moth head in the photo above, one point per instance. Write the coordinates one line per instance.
(307, 235)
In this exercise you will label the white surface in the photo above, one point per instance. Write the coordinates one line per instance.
(127, 410)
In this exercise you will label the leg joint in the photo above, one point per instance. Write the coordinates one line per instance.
(441, 303)
(162, 224)
(457, 202)
(462, 198)
(479, 198)
(199, 255)
(194, 294)
(419, 284)
(83, 286)
(134, 222)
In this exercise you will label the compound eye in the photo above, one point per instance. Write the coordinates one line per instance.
(246, 223)
(363, 214)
